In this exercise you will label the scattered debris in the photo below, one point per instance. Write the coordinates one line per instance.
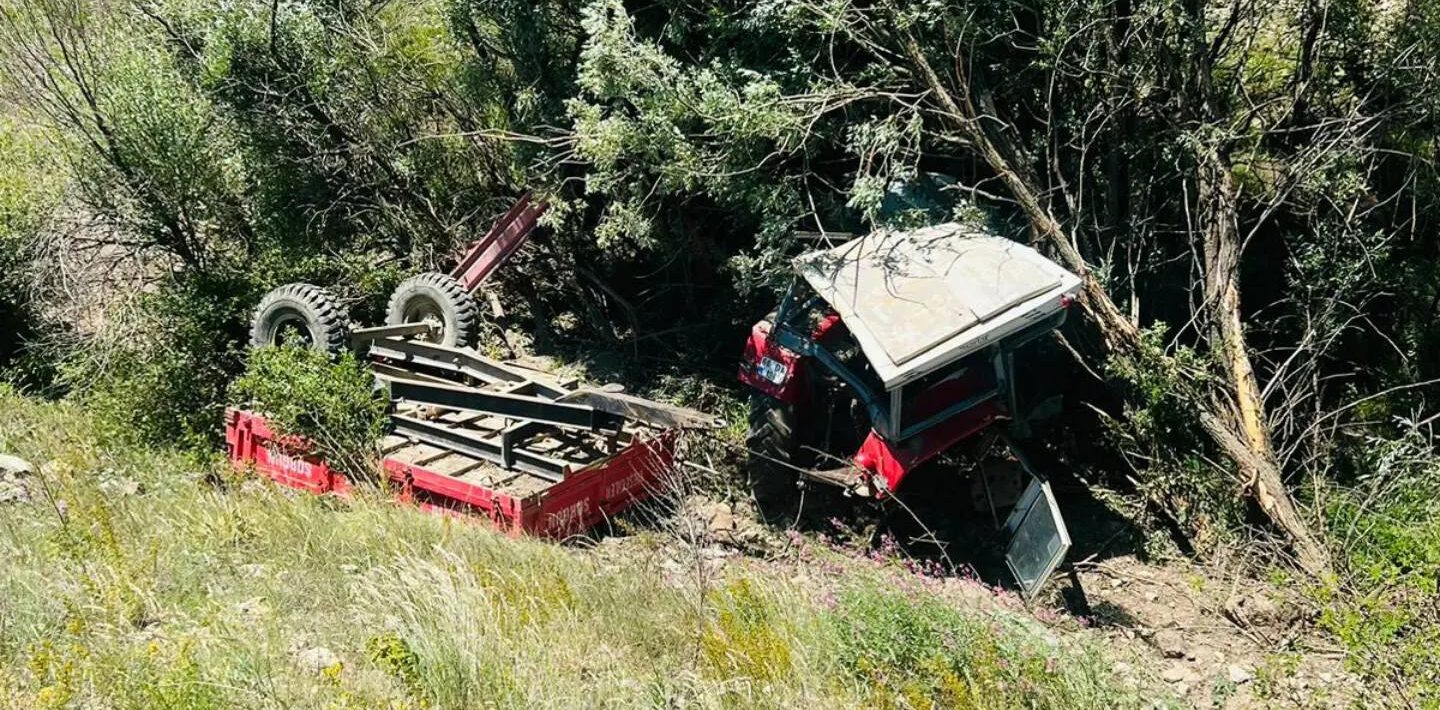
(1197, 648)
(723, 525)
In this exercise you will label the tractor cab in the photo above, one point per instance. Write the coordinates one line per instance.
(894, 347)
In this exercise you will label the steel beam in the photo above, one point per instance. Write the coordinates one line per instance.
(452, 439)
(490, 252)
(656, 414)
(509, 406)
(362, 335)
(458, 361)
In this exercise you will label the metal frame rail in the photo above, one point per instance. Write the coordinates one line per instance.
(527, 405)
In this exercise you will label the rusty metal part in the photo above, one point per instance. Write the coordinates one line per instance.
(656, 414)
(505, 404)
(380, 332)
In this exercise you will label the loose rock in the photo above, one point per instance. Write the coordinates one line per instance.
(15, 473)
(1179, 673)
(1171, 644)
(15, 466)
(316, 659)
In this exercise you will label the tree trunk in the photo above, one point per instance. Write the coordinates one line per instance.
(1242, 433)
(1117, 330)
(1249, 449)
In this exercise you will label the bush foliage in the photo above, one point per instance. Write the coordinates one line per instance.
(218, 150)
(180, 595)
(333, 404)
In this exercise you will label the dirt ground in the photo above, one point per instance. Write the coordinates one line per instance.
(1216, 639)
(1208, 637)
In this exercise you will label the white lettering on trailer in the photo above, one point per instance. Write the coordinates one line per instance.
(570, 517)
(624, 485)
(289, 464)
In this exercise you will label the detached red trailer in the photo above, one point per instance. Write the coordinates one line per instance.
(469, 434)
(441, 480)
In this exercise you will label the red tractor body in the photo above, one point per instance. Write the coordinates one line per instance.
(890, 349)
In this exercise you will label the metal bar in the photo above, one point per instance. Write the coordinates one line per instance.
(1005, 364)
(507, 446)
(491, 251)
(787, 304)
(440, 357)
(382, 370)
(459, 362)
(656, 414)
(533, 409)
(478, 247)
(361, 335)
(463, 442)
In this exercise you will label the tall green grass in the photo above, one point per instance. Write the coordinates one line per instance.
(1382, 607)
(201, 589)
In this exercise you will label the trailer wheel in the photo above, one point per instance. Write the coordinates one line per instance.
(440, 299)
(301, 314)
(772, 442)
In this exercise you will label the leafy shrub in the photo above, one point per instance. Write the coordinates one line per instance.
(158, 373)
(333, 404)
(917, 651)
(394, 655)
(1160, 434)
(1387, 531)
(746, 636)
(28, 194)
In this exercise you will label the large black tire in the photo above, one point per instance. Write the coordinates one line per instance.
(772, 442)
(300, 313)
(438, 298)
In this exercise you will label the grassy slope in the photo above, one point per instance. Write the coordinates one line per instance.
(185, 594)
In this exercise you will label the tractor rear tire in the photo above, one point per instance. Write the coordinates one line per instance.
(300, 313)
(439, 298)
(772, 442)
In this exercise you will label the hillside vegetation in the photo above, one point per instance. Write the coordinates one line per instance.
(138, 578)
(1249, 192)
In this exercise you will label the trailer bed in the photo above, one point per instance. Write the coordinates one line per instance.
(599, 480)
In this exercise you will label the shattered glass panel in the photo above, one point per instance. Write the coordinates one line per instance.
(1039, 539)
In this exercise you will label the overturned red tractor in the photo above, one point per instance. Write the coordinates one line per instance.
(890, 349)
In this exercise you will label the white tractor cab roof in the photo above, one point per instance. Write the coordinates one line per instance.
(919, 300)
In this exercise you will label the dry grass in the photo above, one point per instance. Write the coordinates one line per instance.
(186, 594)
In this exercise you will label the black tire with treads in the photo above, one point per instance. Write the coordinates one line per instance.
(300, 310)
(772, 441)
(441, 298)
